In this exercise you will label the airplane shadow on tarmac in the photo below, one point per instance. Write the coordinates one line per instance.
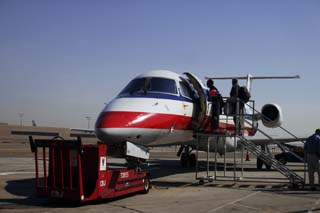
(25, 188)
(166, 167)
(24, 192)
(162, 168)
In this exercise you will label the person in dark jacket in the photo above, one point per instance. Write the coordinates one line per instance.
(312, 153)
(216, 105)
(235, 88)
(234, 95)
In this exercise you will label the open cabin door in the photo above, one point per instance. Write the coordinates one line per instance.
(199, 114)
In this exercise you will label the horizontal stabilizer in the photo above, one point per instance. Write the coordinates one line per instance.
(254, 78)
(249, 78)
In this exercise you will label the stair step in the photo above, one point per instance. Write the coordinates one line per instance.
(268, 159)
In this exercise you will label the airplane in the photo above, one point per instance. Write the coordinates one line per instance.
(163, 108)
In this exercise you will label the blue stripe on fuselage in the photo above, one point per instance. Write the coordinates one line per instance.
(156, 95)
(163, 96)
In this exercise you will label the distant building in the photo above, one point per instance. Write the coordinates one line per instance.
(19, 133)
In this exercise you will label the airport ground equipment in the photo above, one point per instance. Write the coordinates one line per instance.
(72, 172)
(293, 177)
(263, 156)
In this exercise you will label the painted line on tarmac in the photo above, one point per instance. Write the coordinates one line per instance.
(233, 202)
(313, 208)
(248, 207)
(14, 173)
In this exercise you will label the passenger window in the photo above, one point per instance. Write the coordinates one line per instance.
(185, 89)
(162, 85)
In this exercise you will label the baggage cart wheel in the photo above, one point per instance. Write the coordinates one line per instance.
(146, 187)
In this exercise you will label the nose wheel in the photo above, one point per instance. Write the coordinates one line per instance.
(187, 159)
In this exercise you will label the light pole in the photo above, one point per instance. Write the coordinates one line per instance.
(21, 117)
(88, 118)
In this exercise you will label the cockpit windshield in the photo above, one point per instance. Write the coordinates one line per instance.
(163, 85)
(136, 85)
(155, 84)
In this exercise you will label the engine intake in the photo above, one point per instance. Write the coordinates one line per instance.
(271, 115)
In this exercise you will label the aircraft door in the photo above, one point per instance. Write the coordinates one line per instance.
(188, 93)
(200, 112)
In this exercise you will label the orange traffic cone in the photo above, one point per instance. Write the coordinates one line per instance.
(247, 156)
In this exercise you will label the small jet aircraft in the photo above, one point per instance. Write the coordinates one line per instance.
(162, 108)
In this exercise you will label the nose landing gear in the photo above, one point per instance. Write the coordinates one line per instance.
(187, 159)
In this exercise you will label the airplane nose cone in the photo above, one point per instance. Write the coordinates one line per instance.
(104, 128)
(109, 135)
(112, 127)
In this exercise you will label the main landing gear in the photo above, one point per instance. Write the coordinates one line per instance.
(187, 159)
(260, 162)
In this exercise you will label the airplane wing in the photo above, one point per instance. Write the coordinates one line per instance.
(84, 130)
(255, 141)
(275, 141)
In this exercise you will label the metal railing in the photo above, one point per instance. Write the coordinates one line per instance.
(250, 119)
(283, 147)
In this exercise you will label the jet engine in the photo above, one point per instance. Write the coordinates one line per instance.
(271, 115)
(219, 143)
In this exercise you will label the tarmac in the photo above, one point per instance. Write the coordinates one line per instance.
(174, 189)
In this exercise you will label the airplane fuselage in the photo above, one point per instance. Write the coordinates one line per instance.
(158, 108)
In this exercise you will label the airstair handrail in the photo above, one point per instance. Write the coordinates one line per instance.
(283, 147)
(260, 114)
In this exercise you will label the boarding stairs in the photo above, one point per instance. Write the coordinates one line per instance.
(259, 152)
(268, 158)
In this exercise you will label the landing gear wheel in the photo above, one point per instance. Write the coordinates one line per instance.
(259, 163)
(192, 161)
(201, 182)
(146, 186)
(294, 186)
(268, 167)
(184, 160)
(283, 161)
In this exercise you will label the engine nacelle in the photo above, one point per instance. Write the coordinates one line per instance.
(271, 115)
(221, 144)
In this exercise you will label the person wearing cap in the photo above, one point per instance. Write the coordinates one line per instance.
(216, 105)
(312, 153)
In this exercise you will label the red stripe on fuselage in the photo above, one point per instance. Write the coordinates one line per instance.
(116, 119)
(123, 119)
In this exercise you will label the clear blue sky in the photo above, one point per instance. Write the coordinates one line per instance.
(61, 60)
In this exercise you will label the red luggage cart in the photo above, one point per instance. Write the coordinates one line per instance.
(79, 173)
